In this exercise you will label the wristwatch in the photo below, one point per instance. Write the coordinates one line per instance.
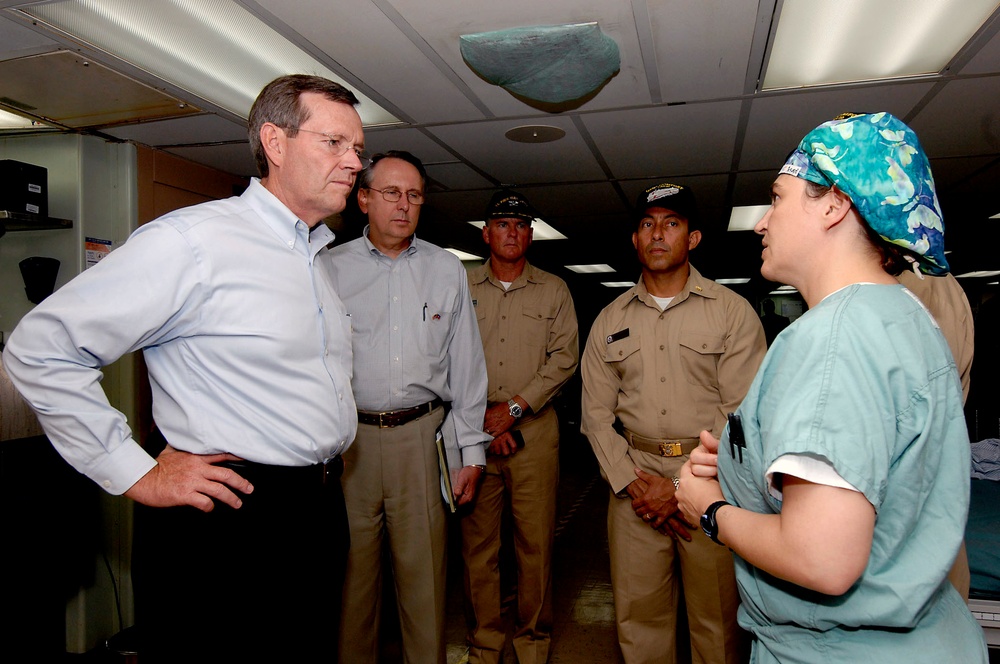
(708, 522)
(515, 409)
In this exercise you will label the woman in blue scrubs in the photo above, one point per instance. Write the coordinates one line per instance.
(843, 479)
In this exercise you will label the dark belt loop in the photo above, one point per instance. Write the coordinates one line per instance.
(333, 469)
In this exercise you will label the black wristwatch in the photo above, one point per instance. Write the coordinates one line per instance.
(515, 409)
(708, 522)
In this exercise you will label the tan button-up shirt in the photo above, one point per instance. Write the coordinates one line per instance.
(946, 300)
(530, 335)
(668, 374)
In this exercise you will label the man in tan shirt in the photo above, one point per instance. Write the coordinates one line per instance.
(946, 300)
(528, 325)
(670, 357)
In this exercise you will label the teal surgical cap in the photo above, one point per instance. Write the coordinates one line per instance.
(878, 162)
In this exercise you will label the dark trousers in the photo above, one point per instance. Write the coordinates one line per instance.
(261, 583)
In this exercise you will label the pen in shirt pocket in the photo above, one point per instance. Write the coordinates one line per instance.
(737, 443)
(425, 312)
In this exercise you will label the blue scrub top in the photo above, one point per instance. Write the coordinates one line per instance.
(866, 381)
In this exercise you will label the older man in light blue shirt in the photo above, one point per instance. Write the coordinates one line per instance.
(248, 350)
(416, 351)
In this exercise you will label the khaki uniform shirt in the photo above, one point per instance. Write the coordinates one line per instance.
(668, 374)
(529, 332)
(945, 299)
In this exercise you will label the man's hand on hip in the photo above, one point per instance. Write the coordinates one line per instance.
(181, 478)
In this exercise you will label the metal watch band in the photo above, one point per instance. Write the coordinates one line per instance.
(515, 409)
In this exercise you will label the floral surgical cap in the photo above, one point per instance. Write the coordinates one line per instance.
(878, 162)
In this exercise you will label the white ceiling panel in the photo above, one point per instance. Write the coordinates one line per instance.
(460, 206)
(958, 123)
(565, 202)
(949, 172)
(457, 176)
(365, 42)
(16, 40)
(720, 31)
(667, 140)
(192, 129)
(483, 144)
(406, 138)
(778, 122)
(986, 60)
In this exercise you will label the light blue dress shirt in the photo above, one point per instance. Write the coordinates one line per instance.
(247, 344)
(415, 335)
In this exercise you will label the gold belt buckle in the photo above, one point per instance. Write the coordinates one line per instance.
(382, 424)
(669, 448)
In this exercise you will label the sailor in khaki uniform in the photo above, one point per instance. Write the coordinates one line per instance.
(667, 359)
(946, 300)
(528, 325)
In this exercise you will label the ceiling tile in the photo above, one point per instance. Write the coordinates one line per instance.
(17, 40)
(779, 121)
(957, 123)
(987, 60)
(75, 92)
(207, 128)
(457, 176)
(565, 202)
(373, 49)
(666, 141)
(406, 138)
(720, 32)
(483, 145)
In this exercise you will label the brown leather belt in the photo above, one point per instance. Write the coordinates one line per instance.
(671, 447)
(397, 418)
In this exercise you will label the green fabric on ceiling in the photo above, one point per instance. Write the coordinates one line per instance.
(550, 64)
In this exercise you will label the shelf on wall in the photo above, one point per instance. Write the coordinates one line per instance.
(21, 221)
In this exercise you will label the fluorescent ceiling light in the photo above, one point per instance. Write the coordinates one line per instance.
(735, 280)
(215, 49)
(783, 291)
(745, 217)
(618, 284)
(996, 216)
(463, 255)
(542, 231)
(14, 121)
(824, 42)
(978, 273)
(590, 269)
